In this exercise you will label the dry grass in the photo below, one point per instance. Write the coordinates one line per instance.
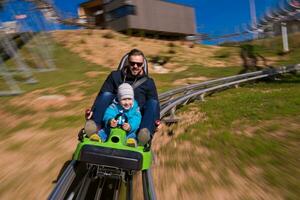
(107, 51)
(191, 80)
(29, 163)
(184, 170)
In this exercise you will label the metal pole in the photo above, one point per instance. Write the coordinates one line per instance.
(11, 49)
(253, 17)
(284, 37)
(8, 78)
(43, 38)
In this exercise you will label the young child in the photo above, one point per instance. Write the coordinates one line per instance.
(124, 105)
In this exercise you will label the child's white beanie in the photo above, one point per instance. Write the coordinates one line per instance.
(125, 91)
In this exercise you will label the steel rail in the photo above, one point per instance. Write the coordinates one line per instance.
(173, 92)
(64, 182)
(151, 188)
(169, 105)
(167, 95)
(185, 98)
(86, 187)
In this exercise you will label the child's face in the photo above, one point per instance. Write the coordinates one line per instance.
(126, 103)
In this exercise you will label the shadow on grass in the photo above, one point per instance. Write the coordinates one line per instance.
(291, 78)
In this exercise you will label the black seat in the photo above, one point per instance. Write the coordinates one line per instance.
(124, 159)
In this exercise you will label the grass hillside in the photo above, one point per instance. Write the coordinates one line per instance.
(272, 48)
(239, 144)
(105, 47)
(242, 144)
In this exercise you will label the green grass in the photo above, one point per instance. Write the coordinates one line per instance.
(273, 47)
(70, 68)
(165, 82)
(55, 123)
(225, 53)
(3, 85)
(19, 110)
(290, 58)
(6, 131)
(15, 146)
(266, 108)
(70, 65)
(214, 72)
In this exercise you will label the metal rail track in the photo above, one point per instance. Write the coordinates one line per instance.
(180, 96)
(78, 182)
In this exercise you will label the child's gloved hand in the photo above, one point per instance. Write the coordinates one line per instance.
(126, 127)
(113, 123)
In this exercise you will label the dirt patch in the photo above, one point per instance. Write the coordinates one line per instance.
(75, 95)
(49, 100)
(78, 83)
(39, 102)
(8, 120)
(166, 133)
(32, 157)
(159, 69)
(94, 74)
(32, 162)
(190, 80)
(179, 69)
(274, 128)
(167, 68)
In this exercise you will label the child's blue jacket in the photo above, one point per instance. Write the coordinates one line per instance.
(134, 115)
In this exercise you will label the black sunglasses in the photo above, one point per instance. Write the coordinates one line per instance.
(135, 63)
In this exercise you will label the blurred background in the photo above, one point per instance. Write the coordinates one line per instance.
(242, 143)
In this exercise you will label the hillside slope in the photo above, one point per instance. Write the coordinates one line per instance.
(105, 47)
(219, 149)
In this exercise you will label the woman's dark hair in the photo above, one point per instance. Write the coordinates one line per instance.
(136, 52)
